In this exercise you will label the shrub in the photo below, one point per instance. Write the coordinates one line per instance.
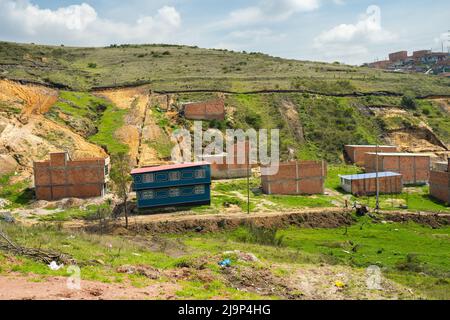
(409, 102)
(92, 65)
(262, 235)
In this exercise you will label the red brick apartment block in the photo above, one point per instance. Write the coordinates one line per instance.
(420, 54)
(221, 168)
(440, 182)
(414, 167)
(296, 178)
(356, 153)
(366, 184)
(209, 110)
(398, 56)
(61, 177)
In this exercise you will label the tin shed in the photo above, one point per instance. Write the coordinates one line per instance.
(172, 185)
(366, 184)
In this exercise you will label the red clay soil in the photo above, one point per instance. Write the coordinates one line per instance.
(16, 287)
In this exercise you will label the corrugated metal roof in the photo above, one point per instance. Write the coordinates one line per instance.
(370, 175)
(168, 167)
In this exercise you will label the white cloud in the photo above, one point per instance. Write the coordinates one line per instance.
(352, 40)
(81, 25)
(268, 10)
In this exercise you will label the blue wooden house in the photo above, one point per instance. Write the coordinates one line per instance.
(185, 184)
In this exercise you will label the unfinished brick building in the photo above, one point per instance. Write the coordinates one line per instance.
(440, 182)
(60, 177)
(356, 153)
(366, 184)
(222, 168)
(414, 167)
(208, 110)
(296, 178)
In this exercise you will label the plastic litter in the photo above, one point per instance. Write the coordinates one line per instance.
(225, 263)
(54, 266)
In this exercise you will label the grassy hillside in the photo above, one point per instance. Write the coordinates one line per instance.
(186, 68)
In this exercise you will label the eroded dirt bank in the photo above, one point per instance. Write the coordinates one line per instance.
(311, 218)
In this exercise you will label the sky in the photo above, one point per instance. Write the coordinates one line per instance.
(348, 31)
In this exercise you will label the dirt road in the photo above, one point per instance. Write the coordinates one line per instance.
(20, 287)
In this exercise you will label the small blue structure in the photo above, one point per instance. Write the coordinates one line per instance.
(185, 184)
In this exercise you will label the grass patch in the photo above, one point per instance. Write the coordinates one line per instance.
(18, 194)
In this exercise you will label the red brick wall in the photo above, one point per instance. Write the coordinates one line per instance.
(357, 153)
(440, 186)
(415, 169)
(58, 178)
(387, 185)
(397, 56)
(294, 178)
(209, 110)
(226, 170)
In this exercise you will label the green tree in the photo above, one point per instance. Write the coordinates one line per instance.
(121, 178)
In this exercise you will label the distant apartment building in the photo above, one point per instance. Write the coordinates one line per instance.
(417, 55)
(420, 61)
(60, 177)
(398, 56)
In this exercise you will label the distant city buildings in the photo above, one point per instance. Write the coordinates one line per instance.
(421, 61)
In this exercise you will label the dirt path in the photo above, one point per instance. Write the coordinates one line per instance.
(290, 114)
(18, 287)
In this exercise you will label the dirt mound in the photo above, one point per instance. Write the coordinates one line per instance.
(166, 223)
(28, 135)
(429, 219)
(415, 140)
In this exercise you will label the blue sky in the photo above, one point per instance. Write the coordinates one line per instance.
(350, 31)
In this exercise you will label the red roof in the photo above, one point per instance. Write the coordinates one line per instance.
(168, 167)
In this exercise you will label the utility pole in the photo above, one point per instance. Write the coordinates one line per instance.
(248, 177)
(377, 204)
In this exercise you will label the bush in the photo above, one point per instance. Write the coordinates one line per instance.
(92, 65)
(426, 111)
(263, 235)
(409, 102)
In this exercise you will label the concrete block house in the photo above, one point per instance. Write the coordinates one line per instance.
(414, 167)
(440, 182)
(296, 178)
(356, 153)
(60, 177)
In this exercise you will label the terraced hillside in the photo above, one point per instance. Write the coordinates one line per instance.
(93, 101)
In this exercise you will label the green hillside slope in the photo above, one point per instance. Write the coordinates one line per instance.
(168, 67)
